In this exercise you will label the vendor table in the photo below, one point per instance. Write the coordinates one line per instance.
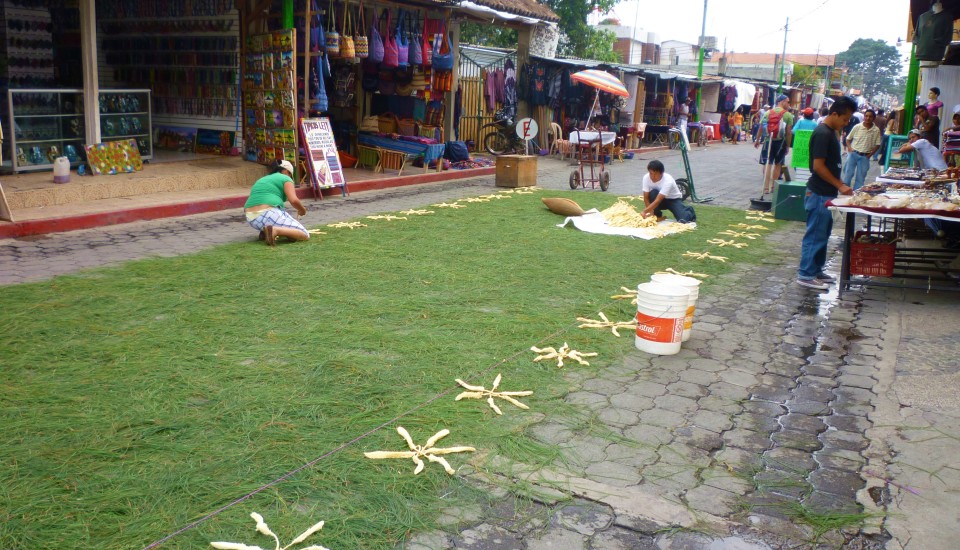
(920, 262)
(606, 138)
(402, 149)
(657, 134)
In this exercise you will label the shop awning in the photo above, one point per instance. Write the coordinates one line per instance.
(527, 12)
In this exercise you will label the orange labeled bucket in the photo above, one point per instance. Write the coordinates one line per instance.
(661, 310)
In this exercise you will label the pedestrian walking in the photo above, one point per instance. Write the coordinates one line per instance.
(862, 142)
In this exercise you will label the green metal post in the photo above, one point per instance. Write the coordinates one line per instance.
(286, 15)
(913, 76)
(703, 31)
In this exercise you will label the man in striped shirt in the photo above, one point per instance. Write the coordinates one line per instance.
(862, 142)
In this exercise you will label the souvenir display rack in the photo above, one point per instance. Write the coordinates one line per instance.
(125, 114)
(187, 53)
(269, 97)
(45, 124)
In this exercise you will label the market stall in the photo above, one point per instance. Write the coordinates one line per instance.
(887, 247)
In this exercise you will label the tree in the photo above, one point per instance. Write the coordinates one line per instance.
(805, 75)
(482, 34)
(877, 62)
(577, 38)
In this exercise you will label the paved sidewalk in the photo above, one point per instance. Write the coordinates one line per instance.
(786, 411)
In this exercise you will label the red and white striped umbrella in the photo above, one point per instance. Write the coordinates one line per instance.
(601, 80)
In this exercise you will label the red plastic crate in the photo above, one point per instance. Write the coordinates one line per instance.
(872, 260)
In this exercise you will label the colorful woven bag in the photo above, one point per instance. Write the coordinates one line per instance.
(347, 49)
(416, 51)
(360, 43)
(442, 61)
(332, 37)
(376, 42)
(403, 45)
(390, 53)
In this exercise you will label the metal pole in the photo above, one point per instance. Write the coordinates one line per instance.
(783, 57)
(911, 94)
(703, 31)
(286, 14)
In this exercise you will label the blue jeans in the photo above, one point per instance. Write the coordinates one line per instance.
(856, 167)
(680, 211)
(813, 251)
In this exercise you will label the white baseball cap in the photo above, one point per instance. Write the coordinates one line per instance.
(285, 165)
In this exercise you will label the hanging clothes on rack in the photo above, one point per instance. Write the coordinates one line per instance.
(510, 85)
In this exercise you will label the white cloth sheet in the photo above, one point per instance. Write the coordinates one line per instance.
(592, 221)
(606, 138)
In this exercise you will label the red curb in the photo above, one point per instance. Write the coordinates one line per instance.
(9, 230)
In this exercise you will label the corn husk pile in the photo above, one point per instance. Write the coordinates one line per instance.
(623, 214)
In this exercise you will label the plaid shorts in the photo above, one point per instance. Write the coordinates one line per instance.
(277, 218)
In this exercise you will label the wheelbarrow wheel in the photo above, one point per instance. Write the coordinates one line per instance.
(684, 188)
(604, 180)
(575, 179)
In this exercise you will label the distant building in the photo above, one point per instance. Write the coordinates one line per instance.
(635, 46)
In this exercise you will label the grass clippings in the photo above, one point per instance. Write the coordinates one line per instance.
(140, 398)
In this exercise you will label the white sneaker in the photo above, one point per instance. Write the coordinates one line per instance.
(813, 283)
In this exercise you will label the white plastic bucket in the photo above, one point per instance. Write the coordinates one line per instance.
(661, 310)
(691, 284)
(61, 170)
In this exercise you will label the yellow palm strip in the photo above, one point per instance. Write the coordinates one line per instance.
(479, 392)
(703, 256)
(417, 453)
(560, 354)
(722, 243)
(603, 322)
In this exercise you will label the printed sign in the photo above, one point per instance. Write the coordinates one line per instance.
(322, 157)
(801, 149)
(527, 128)
(895, 159)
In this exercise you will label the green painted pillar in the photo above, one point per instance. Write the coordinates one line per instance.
(696, 118)
(910, 96)
(286, 15)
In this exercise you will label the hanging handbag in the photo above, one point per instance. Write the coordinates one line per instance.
(427, 49)
(390, 59)
(416, 53)
(360, 43)
(442, 61)
(403, 45)
(332, 37)
(376, 42)
(347, 50)
(317, 39)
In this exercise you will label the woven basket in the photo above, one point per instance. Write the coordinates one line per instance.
(387, 123)
(407, 127)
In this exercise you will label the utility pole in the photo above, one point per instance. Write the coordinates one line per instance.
(783, 58)
(703, 32)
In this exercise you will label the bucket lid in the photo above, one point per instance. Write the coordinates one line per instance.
(666, 291)
(677, 280)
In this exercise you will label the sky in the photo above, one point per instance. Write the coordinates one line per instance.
(756, 26)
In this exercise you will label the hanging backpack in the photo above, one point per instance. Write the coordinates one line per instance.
(360, 43)
(403, 45)
(416, 51)
(776, 126)
(442, 61)
(390, 54)
(332, 37)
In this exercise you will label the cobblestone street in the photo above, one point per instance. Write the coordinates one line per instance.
(787, 414)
